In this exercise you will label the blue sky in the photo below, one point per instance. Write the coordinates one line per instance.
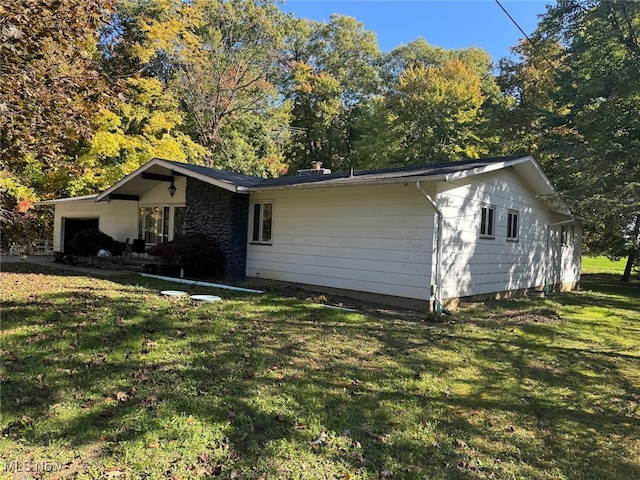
(450, 24)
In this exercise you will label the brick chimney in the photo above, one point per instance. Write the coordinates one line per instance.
(316, 169)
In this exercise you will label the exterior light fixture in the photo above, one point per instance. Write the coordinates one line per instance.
(172, 188)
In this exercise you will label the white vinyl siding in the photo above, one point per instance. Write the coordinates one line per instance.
(474, 265)
(117, 218)
(375, 239)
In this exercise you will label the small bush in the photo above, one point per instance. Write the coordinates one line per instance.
(90, 242)
(196, 254)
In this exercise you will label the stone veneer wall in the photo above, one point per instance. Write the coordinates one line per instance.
(222, 216)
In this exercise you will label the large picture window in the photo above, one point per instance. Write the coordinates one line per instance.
(487, 221)
(159, 224)
(262, 222)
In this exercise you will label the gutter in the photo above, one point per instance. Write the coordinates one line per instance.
(437, 291)
(344, 182)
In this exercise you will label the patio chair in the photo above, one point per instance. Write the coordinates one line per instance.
(139, 246)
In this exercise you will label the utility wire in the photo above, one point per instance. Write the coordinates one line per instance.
(533, 44)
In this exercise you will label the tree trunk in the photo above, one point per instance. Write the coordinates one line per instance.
(627, 269)
(633, 252)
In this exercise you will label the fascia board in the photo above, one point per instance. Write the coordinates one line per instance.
(83, 198)
(204, 178)
(346, 182)
(488, 168)
(170, 166)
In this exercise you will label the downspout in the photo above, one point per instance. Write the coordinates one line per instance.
(547, 286)
(437, 293)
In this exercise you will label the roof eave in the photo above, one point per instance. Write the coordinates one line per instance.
(346, 182)
(55, 201)
(170, 166)
(213, 181)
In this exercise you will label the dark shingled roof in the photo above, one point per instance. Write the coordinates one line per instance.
(248, 181)
(237, 179)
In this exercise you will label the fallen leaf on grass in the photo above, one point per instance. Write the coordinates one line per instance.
(113, 472)
(377, 436)
(149, 401)
(87, 404)
(122, 396)
(321, 439)
(461, 443)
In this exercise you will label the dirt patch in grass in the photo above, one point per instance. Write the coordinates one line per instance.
(523, 317)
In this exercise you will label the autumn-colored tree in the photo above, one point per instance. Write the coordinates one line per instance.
(219, 58)
(50, 86)
(144, 125)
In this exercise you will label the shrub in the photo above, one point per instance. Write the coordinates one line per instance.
(196, 254)
(89, 242)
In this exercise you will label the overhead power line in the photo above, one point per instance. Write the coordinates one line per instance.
(533, 44)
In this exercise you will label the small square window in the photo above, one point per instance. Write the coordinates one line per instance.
(512, 225)
(487, 221)
(262, 224)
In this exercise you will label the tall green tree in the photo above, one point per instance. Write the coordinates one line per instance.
(597, 104)
(433, 113)
(329, 74)
(435, 106)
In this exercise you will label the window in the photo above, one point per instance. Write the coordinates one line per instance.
(262, 222)
(566, 234)
(178, 221)
(512, 226)
(154, 223)
(487, 221)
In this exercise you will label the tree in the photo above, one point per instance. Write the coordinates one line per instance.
(50, 86)
(329, 74)
(145, 124)
(220, 58)
(432, 114)
(597, 96)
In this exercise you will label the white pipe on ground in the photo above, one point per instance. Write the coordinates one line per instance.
(201, 284)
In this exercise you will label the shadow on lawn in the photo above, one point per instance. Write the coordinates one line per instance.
(520, 394)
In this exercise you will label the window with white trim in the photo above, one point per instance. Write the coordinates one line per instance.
(513, 225)
(488, 221)
(161, 223)
(262, 222)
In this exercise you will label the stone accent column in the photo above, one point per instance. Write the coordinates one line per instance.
(222, 216)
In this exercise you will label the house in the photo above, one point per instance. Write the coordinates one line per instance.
(431, 233)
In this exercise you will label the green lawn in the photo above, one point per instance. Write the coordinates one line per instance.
(107, 379)
(603, 265)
